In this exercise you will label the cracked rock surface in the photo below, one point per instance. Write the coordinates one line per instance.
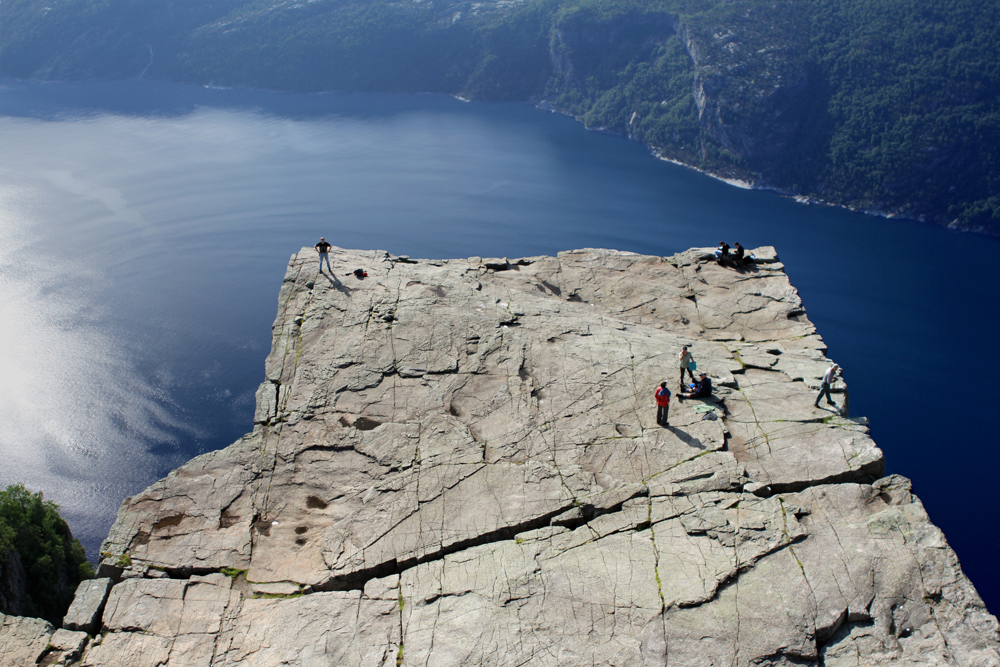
(458, 463)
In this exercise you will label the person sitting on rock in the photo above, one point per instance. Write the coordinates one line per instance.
(703, 389)
(738, 254)
(722, 253)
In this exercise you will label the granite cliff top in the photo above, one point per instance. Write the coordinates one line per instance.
(457, 462)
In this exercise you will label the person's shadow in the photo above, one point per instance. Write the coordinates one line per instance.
(686, 438)
(839, 411)
(336, 284)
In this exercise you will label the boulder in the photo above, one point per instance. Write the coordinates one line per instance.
(23, 640)
(85, 612)
(65, 647)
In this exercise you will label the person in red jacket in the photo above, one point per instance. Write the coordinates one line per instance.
(662, 404)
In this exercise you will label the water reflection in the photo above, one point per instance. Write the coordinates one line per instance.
(145, 228)
(78, 419)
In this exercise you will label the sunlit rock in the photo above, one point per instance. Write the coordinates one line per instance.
(458, 463)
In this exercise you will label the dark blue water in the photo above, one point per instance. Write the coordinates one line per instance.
(145, 228)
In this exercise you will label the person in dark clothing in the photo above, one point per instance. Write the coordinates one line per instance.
(702, 389)
(323, 248)
(722, 253)
(662, 404)
(738, 254)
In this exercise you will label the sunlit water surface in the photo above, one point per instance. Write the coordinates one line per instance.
(145, 228)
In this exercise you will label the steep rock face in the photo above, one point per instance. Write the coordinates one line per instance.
(755, 90)
(877, 106)
(13, 583)
(457, 463)
(582, 45)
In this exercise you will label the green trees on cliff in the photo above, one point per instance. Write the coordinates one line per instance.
(53, 561)
(891, 104)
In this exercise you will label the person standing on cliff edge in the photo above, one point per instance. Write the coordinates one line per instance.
(323, 248)
(662, 404)
(824, 390)
(686, 362)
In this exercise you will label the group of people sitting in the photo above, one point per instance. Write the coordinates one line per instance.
(736, 255)
(700, 388)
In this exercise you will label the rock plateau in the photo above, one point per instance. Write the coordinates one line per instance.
(456, 463)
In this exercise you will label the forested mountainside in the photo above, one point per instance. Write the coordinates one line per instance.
(885, 105)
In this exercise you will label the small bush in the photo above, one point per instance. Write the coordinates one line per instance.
(55, 562)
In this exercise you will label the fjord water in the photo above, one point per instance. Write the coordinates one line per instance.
(145, 228)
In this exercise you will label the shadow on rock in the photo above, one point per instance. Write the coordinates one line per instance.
(688, 440)
(337, 285)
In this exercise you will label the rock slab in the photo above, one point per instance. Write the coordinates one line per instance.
(88, 603)
(457, 462)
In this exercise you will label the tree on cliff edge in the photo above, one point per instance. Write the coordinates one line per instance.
(40, 561)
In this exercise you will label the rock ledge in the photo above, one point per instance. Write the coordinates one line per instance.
(457, 463)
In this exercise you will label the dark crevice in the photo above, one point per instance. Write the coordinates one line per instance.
(584, 514)
(840, 631)
(366, 423)
(227, 518)
(694, 478)
(435, 598)
(324, 448)
(865, 475)
(188, 572)
(168, 522)
(273, 417)
(506, 266)
(785, 657)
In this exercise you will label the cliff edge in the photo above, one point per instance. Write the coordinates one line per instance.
(457, 462)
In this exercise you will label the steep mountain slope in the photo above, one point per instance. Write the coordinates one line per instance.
(887, 106)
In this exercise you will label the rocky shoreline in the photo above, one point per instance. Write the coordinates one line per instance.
(456, 462)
